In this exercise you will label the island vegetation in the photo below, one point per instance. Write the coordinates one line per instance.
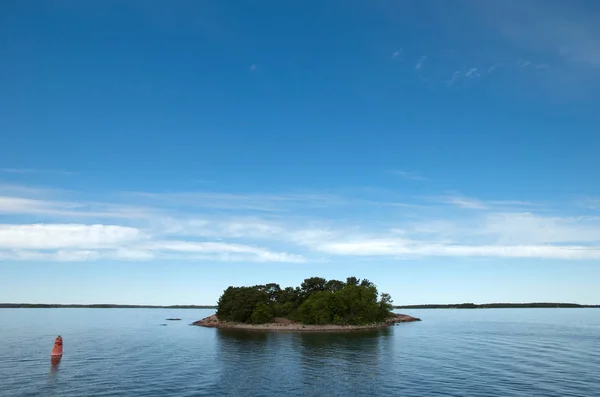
(315, 301)
(316, 305)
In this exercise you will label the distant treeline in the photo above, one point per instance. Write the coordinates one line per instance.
(98, 306)
(433, 306)
(498, 306)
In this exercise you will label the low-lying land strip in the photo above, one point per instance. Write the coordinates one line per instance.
(97, 306)
(534, 305)
(284, 324)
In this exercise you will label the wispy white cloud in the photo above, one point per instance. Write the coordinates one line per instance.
(26, 206)
(407, 248)
(475, 203)
(34, 171)
(491, 234)
(226, 251)
(16, 205)
(412, 176)
(398, 54)
(564, 29)
(173, 229)
(463, 202)
(218, 228)
(492, 68)
(56, 236)
(252, 67)
(7, 189)
(242, 201)
(78, 242)
(512, 203)
(17, 170)
(529, 228)
(492, 64)
(472, 73)
(591, 203)
(523, 63)
(52, 256)
(450, 82)
(509, 235)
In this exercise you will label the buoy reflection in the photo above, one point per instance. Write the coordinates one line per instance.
(54, 365)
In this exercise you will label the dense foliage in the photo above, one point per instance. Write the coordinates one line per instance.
(316, 301)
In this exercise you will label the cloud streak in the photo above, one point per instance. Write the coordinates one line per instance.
(78, 242)
(34, 171)
(399, 248)
(463, 202)
(411, 176)
(26, 206)
(562, 29)
(452, 80)
(57, 236)
(182, 226)
(472, 73)
(242, 201)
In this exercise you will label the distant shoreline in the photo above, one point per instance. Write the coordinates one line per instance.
(98, 306)
(500, 306)
(428, 306)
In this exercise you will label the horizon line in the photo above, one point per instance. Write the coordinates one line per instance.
(210, 306)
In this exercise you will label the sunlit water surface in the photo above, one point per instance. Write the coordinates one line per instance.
(126, 352)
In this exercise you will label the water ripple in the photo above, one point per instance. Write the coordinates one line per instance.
(461, 353)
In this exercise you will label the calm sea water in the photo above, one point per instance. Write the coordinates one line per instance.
(125, 352)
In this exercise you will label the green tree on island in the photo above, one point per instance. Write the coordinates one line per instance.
(316, 301)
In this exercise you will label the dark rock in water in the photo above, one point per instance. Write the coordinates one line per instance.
(173, 319)
(210, 321)
(164, 325)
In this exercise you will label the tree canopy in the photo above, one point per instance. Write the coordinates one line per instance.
(315, 301)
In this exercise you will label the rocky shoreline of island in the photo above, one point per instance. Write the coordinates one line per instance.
(284, 324)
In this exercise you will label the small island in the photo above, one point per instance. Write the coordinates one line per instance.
(317, 305)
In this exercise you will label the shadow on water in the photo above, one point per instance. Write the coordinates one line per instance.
(256, 361)
(242, 336)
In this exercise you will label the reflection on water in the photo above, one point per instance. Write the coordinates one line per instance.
(247, 357)
(51, 386)
(113, 352)
(54, 365)
(300, 363)
(350, 363)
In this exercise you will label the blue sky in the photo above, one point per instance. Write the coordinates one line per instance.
(158, 152)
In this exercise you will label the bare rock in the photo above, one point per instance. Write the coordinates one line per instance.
(284, 324)
(210, 321)
(401, 318)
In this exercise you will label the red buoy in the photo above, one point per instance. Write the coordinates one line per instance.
(58, 347)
